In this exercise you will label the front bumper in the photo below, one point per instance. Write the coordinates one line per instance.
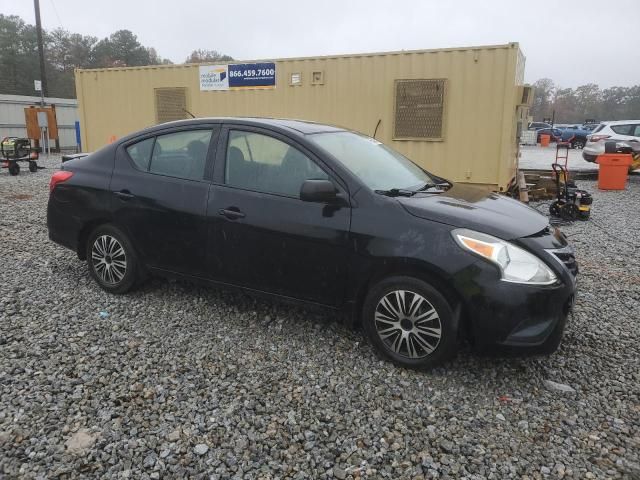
(520, 315)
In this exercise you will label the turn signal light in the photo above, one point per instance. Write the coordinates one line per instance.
(59, 177)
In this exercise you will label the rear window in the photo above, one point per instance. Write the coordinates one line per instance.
(623, 129)
(598, 128)
(140, 153)
(181, 154)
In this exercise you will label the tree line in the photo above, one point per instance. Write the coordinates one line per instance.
(586, 102)
(64, 51)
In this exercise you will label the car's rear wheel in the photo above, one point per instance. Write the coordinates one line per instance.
(410, 322)
(113, 263)
(577, 144)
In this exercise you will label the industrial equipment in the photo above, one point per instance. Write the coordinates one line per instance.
(14, 150)
(571, 203)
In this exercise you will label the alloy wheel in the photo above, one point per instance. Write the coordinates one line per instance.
(408, 324)
(109, 259)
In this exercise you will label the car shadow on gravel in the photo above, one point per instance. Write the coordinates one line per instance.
(267, 310)
(263, 312)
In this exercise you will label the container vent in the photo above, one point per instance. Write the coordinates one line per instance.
(171, 104)
(419, 109)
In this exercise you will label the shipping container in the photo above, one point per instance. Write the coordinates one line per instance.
(457, 112)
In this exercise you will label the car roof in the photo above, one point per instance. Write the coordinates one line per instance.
(621, 122)
(299, 126)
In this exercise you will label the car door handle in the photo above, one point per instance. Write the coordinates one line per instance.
(231, 214)
(124, 195)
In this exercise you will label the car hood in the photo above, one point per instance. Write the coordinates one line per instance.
(471, 207)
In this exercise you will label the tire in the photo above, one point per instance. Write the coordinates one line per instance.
(569, 211)
(400, 343)
(33, 167)
(14, 168)
(554, 209)
(577, 144)
(112, 260)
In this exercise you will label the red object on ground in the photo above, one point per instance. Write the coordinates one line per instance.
(545, 140)
(614, 169)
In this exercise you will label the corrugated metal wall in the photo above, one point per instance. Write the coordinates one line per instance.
(358, 91)
(12, 122)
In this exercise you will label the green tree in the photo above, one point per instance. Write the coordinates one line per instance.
(207, 56)
(18, 56)
(542, 98)
(121, 49)
(566, 106)
(588, 102)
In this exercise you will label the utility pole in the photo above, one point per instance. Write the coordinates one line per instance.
(43, 77)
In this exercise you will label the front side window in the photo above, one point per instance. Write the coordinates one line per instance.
(181, 154)
(376, 165)
(140, 153)
(636, 132)
(265, 164)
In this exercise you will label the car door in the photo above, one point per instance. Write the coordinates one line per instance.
(159, 196)
(262, 236)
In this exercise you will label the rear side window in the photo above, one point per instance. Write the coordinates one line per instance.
(181, 154)
(636, 132)
(623, 129)
(140, 153)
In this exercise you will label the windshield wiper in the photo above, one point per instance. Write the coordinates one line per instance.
(397, 192)
(442, 186)
(409, 192)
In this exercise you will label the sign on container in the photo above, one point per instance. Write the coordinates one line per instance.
(238, 76)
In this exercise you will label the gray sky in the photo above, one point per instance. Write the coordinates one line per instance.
(572, 43)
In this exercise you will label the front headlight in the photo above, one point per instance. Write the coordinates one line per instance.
(517, 265)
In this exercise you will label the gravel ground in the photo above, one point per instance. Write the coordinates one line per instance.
(176, 380)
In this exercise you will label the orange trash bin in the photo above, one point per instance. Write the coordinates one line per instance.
(545, 140)
(614, 169)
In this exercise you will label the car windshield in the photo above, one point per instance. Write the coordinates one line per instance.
(376, 165)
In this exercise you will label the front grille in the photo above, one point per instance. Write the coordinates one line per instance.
(567, 258)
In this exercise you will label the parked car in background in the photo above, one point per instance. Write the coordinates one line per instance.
(575, 135)
(538, 125)
(319, 214)
(619, 130)
(554, 133)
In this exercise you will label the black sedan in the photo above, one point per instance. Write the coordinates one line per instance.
(324, 215)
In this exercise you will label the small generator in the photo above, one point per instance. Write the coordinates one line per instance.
(14, 150)
(571, 203)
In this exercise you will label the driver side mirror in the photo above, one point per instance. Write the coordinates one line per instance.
(320, 191)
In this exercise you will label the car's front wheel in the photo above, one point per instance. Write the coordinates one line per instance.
(410, 322)
(113, 263)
